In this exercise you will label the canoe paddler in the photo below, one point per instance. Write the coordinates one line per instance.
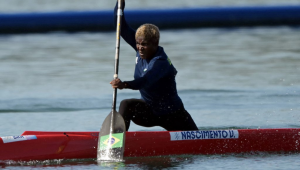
(154, 77)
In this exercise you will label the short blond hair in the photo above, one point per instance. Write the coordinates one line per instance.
(149, 32)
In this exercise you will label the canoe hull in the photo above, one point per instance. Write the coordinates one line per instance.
(39, 145)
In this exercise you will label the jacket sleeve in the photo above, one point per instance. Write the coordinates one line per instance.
(127, 33)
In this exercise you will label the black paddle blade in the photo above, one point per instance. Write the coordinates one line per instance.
(111, 141)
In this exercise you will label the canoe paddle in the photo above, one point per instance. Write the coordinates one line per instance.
(111, 141)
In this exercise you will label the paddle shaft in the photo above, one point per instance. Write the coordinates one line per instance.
(118, 33)
(111, 139)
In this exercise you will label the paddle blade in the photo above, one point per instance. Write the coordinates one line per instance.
(111, 141)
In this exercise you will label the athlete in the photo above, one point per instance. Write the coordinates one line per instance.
(154, 77)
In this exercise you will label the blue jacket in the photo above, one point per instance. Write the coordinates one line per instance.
(154, 78)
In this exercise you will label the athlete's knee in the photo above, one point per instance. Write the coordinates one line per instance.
(124, 102)
(127, 102)
(126, 108)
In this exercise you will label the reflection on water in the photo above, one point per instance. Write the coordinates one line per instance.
(135, 163)
(260, 161)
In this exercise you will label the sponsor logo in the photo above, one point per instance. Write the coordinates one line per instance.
(113, 141)
(9, 139)
(209, 134)
(145, 70)
(170, 62)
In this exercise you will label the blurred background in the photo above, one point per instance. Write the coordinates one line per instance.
(79, 5)
(228, 78)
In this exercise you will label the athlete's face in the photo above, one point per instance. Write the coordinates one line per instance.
(146, 48)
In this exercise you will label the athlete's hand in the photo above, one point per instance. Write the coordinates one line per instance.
(117, 83)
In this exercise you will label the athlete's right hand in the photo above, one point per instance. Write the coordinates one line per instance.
(117, 83)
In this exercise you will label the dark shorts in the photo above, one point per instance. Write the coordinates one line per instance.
(141, 114)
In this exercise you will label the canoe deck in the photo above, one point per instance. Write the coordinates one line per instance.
(41, 145)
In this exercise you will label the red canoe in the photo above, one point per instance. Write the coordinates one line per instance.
(37, 145)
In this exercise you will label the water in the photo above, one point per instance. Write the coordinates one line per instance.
(78, 5)
(228, 78)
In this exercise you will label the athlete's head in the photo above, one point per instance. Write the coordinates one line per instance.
(150, 32)
(147, 40)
